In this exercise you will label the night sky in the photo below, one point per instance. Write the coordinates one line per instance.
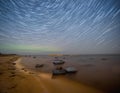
(60, 26)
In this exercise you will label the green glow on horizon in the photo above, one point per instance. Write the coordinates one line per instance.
(29, 48)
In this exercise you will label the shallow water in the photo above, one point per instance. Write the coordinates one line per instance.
(100, 71)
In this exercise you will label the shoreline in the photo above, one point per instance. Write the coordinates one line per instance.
(101, 72)
(22, 77)
(47, 80)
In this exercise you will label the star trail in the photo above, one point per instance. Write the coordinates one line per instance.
(60, 26)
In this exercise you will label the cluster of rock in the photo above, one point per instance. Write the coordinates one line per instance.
(59, 68)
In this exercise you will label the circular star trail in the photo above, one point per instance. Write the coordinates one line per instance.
(60, 26)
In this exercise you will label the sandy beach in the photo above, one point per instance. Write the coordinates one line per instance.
(14, 81)
(19, 75)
